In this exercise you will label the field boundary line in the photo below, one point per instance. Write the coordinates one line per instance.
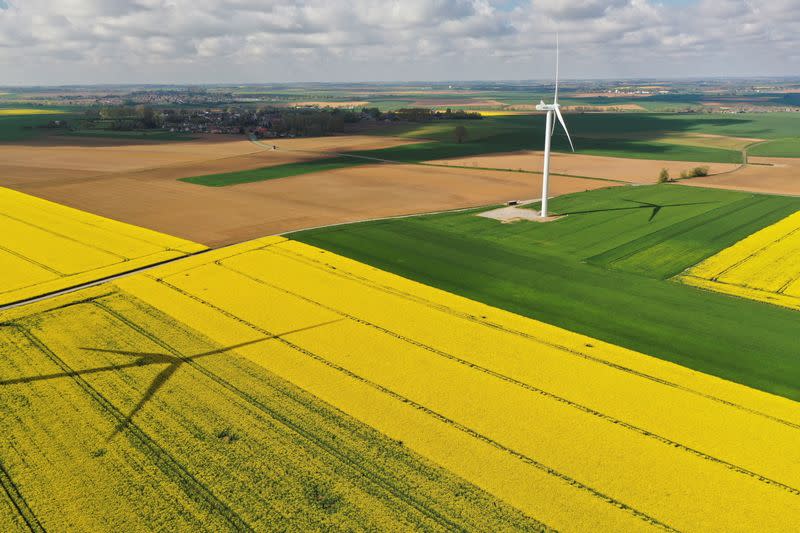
(743, 292)
(500, 327)
(531, 388)
(434, 414)
(93, 283)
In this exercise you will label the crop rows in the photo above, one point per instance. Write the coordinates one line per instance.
(534, 414)
(45, 247)
(764, 266)
(209, 440)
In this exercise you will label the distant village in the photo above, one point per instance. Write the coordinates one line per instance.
(264, 122)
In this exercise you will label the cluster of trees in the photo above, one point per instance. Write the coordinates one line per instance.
(696, 172)
(310, 122)
(420, 114)
(126, 117)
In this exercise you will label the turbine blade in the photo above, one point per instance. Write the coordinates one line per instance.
(555, 97)
(564, 125)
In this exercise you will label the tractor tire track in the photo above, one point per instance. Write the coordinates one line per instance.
(438, 416)
(327, 448)
(172, 469)
(552, 396)
(18, 501)
(331, 269)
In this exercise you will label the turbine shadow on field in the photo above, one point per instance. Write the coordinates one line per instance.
(173, 362)
(642, 205)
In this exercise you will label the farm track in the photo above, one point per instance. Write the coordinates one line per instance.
(172, 469)
(566, 349)
(536, 390)
(328, 448)
(438, 416)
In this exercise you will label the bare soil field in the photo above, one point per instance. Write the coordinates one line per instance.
(711, 140)
(152, 198)
(59, 158)
(775, 175)
(106, 155)
(640, 171)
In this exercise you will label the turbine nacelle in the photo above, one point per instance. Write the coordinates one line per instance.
(541, 106)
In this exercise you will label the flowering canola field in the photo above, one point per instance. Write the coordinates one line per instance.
(45, 247)
(28, 111)
(139, 423)
(576, 433)
(764, 266)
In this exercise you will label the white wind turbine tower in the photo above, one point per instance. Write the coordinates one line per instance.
(548, 133)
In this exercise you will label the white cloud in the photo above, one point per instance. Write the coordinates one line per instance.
(83, 41)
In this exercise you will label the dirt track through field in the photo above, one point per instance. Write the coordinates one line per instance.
(143, 189)
(773, 175)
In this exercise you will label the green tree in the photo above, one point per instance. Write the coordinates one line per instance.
(460, 133)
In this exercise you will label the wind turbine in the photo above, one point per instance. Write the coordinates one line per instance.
(548, 133)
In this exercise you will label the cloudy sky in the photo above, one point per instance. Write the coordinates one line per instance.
(236, 41)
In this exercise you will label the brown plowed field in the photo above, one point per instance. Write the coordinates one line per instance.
(141, 192)
(775, 175)
(640, 171)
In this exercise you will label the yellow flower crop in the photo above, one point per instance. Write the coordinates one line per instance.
(577, 433)
(45, 247)
(10, 112)
(116, 417)
(764, 266)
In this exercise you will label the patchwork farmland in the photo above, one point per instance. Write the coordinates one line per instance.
(396, 362)
(605, 270)
(509, 426)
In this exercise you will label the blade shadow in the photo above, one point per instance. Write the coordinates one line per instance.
(159, 381)
(644, 205)
(173, 362)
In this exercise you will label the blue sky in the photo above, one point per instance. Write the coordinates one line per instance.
(230, 41)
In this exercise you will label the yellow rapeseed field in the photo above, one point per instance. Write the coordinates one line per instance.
(764, 266)
(576, 433)
(499, 113)
(116, 417)
(45, 247)
(9, 112)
